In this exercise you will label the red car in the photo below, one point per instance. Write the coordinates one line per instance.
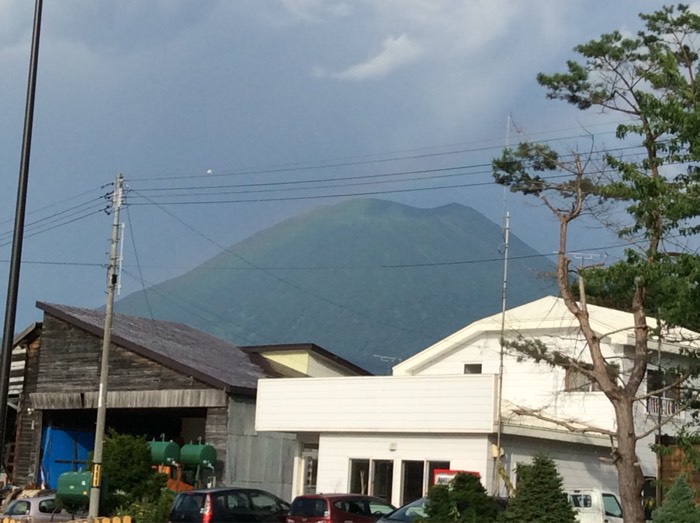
(337, 508)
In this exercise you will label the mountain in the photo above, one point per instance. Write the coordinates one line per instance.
(369, 280)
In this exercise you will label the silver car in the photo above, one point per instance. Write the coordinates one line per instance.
(39, 509)
(407, 513)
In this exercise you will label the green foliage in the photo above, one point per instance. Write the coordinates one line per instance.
(650, 81)
(440, 507)
(678, 506)
(539, 496)
(464, 500)
(671, 284)
(151, 511)
(126, 465)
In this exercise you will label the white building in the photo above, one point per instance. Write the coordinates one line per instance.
(440, 410)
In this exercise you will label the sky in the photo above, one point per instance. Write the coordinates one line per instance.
(227, 117)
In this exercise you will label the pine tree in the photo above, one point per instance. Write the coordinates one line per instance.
(678, 506)
(649, 79)
(465, 500)
(540, 496)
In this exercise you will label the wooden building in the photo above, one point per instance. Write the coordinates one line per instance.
(166, 381)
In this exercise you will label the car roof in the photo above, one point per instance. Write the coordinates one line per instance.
(42, 497)
(336, 495)
(219, 489)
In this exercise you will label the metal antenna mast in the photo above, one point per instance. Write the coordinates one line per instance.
(96, 482)
(495, 482)
(497, 462)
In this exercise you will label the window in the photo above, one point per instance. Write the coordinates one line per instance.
(581, 500)
(47, 506)
(433, 466)
(236, 500)
(472, 368)
(612, 506)
(664, 402)
(657, 379)
(412, 480)
(19, 509)
(377, 507)
(310, 474)
(359, 476)
(576, 381)
(375, 477)
(381, 471)
(263, 501)
(382, 478)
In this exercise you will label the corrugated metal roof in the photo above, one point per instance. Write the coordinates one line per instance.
(190, 351)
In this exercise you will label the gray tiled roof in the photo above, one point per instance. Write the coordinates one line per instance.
(192, 352)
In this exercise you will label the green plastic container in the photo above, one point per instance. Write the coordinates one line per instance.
(164, 452)
(73, 488)
(198, 455)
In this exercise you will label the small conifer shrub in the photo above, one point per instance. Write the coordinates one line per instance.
(539, 495)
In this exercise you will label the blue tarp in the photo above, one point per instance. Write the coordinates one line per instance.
(63, 451)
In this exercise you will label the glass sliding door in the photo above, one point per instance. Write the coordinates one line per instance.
(382, 476)
(359, 476)
(412, 477)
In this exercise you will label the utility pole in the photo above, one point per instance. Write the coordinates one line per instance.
(8, 332)
(96, 482)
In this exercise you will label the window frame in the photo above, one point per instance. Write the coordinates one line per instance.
(583, 383)
(475, 368)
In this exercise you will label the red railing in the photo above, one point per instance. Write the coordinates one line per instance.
(669, 407)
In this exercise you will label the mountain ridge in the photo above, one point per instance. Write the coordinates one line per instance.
(366, 279)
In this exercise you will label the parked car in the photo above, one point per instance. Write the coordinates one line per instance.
(408, 512)
(593, 505)
(228, 505)
(38, 509)
(337, 508)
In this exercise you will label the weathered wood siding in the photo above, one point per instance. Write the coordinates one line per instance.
(28, 425)
(70, 361)
(130, 399)
(258, 459)
(67, 367)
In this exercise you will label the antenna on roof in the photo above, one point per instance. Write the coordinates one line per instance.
(506, 240)
(389, 360)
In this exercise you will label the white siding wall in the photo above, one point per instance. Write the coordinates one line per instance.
(579, 465)
(529, 384)
(336, 451)
(319, 367)
(377, 403)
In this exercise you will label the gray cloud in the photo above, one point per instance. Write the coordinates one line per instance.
(396, 52)
(166, 88)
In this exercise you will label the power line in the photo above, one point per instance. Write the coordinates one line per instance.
(392, 156)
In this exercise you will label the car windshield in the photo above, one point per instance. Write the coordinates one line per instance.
(18, 508)
(612, 506)
(309, 507)
(410, 512)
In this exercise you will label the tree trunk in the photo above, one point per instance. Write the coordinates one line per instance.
(629, 473)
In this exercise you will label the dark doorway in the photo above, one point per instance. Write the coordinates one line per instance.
(412, 480)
